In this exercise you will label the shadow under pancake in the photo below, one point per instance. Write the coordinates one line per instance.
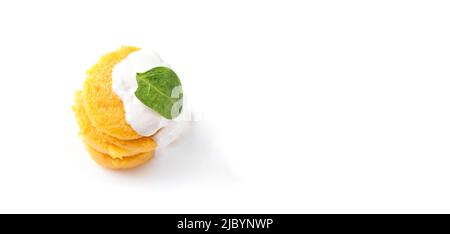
(194, 158)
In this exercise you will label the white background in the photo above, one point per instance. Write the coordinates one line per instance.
(303, 106)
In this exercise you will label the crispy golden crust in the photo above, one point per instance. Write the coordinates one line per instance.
(104, 143)
(115, 163)
(102, 105)
(109, 139)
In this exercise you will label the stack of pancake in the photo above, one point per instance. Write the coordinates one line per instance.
(109, 139)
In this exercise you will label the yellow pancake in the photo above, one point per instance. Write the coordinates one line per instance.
(104, 143)
(115, 163)
(102, 105)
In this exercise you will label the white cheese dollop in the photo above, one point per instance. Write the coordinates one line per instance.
(141, 118)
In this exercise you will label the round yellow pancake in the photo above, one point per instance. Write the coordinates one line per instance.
(115, 163)
(103, 106)
(104, 143)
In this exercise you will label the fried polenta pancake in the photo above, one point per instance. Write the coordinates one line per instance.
(104, 143)
(116, 163)
(102, 105)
